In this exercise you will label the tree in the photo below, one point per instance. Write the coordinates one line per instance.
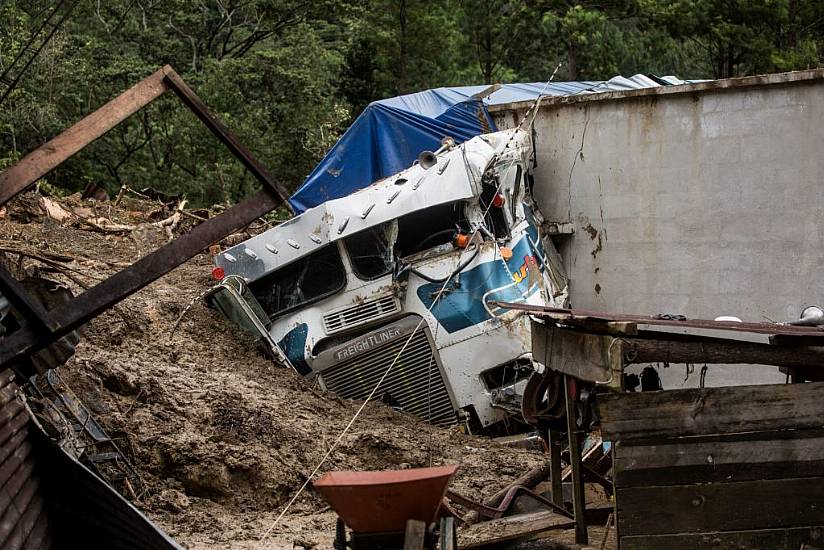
(738, 37)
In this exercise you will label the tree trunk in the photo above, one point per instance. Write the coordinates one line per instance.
(663, 351)
(402, 22)
(572, 60)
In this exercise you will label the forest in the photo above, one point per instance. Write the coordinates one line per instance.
(288, 76)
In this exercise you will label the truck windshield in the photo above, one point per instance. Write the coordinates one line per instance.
(307, 280)
(371, 251)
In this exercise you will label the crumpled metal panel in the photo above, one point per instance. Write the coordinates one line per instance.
(48, 499)
(84, 511)
(23, 520)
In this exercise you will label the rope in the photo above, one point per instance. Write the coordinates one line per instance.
(371, 395)
(351, 422)
(185, 311)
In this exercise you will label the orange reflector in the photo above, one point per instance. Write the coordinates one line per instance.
(461, 240)
(218, 274)
(498, 200)
(506, 253)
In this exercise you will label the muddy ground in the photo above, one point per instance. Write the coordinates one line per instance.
(221, 437)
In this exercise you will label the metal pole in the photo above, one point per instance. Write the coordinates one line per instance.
(555, 467)
(573, 434)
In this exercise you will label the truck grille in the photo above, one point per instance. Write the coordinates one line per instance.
(415, 381)
(352, 316)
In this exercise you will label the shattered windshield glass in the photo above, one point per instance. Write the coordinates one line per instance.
(371, 251)
(304, 281)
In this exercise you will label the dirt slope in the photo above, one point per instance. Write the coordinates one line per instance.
(221, 436)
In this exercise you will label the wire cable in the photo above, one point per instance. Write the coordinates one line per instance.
(351, 422)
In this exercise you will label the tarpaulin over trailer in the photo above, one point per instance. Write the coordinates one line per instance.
(388, 136)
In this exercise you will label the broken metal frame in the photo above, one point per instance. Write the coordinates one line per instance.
(596, 347)
(44, 327)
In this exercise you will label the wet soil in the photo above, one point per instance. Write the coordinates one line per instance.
(221, 437)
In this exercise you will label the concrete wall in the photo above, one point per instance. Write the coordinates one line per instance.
(702, 200)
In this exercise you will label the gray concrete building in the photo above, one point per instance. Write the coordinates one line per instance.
(703, 200)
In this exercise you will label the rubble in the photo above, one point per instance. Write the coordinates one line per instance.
(220, 436)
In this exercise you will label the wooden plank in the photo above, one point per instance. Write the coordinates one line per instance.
(510, 528)
(415, 535)
(703, 332)
(730, 506)
(678, 462)
(48, 156)
(706, 411)
(762, 539)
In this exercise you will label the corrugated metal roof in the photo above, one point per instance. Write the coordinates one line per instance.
(23, 521)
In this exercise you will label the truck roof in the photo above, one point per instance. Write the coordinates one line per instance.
(456, 176)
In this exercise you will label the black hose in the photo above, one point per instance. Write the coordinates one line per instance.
(458, 269)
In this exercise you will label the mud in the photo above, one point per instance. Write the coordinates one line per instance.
(221, 437)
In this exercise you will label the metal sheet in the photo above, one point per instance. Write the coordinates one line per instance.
(452, 179)
(21, 502)
(382, 502)
(590, 357)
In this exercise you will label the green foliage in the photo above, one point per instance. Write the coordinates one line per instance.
(287, 76)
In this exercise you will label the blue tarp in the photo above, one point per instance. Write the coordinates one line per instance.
(390, 134)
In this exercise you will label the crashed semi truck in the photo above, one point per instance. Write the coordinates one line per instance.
(403, 273)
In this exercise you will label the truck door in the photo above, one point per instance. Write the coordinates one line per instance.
(236, 302)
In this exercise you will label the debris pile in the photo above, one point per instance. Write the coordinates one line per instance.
(220, 436)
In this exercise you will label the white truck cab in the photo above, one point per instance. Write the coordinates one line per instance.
(403, 273)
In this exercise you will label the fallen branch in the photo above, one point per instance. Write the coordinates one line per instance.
(104, 225)
(11, 247)
(56, 264)
(169, 224)
(66, 271)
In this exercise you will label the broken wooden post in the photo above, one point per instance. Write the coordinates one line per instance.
(415, 535)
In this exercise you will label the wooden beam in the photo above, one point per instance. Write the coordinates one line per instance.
(227, 138)
(677, 413)
(760, 539)
(556, 467)
(735, 506)
(104, 295)
(720, 459)
(510, 528)
(415, 535)
(656, 351)
(39, 329)
(47, 157)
